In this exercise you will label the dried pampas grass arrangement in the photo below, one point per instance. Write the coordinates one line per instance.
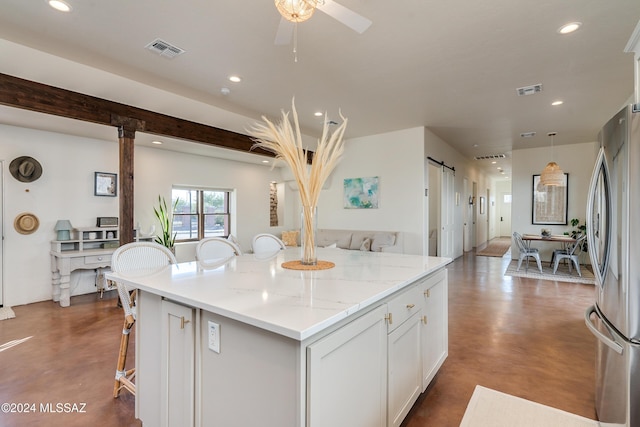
(285, 141)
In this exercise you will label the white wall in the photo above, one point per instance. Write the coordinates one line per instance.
(65, 191)
(577, 160)
(396, 158)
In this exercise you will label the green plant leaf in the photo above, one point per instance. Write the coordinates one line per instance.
(165, 217)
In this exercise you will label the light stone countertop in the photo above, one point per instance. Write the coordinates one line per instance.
(292, 303)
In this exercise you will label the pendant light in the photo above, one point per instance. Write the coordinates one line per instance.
(552, 174)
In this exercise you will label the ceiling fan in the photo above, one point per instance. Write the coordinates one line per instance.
(295, 11)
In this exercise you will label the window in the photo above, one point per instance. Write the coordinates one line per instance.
(201, 213)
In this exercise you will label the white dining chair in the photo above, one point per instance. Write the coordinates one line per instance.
(140, 258)
(526, 252)
(214, 248)
(266, 243)
(572, 253)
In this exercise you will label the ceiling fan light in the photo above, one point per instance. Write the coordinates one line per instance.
(296, 10)
(552, 175)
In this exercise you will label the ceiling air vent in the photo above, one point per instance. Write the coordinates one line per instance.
(490, 157)
(529, 90)
(165, 49)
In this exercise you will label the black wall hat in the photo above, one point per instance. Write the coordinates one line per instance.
(25, 169)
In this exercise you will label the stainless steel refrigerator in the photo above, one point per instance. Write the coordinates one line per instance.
(613, 230)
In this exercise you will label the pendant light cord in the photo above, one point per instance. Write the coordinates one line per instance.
(295, 42)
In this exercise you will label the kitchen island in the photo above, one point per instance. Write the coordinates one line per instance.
(251, 343)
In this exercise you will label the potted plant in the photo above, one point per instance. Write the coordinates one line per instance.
(579, 230)
(167, 237)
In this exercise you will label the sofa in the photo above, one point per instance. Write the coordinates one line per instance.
(374, 241)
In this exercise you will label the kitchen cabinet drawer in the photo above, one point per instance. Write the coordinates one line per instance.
(97, 259)
(402, 307)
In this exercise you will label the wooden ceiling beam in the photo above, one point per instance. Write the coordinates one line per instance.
(29, 95)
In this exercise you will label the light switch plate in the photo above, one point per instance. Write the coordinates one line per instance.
(214, 336)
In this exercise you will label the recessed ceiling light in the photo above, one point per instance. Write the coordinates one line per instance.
(235, 79)
(475, 145)
(265, 161)
(318, 114)
(569, 28)
(558, 102)
(60, 5)
(494, 162)
(157, 142)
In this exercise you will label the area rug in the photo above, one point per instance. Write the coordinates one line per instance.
(496, 247)
(490, 408)
(6, 313)
(562, 275)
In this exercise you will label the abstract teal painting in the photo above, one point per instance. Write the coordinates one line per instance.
(361, 193)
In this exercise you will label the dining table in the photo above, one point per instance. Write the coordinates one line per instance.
(564, 239)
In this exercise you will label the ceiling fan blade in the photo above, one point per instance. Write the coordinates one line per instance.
(285, 32)
(346, 16)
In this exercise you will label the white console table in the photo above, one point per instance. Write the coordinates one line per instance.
(89, 249)
(64, 262)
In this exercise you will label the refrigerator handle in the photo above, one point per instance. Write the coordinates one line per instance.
(605, 340)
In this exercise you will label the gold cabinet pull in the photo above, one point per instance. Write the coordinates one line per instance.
(424, 319)
(389, 318)
(410, 306)
(427, 293)
(183, 322)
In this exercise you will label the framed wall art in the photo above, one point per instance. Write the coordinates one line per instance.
(361, 193)
(549, 205)
(105, 184)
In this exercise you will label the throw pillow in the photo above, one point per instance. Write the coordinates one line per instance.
(382, 239)
(290, 238)
(366, 245)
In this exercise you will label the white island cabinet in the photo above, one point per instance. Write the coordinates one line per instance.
(252, 343)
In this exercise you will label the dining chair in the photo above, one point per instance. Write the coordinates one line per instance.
(266, 243)
(563, 250)
(141, 258)
(214, 248)
(526, 252)
(572, 254)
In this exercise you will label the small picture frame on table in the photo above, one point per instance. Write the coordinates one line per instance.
(105, 184)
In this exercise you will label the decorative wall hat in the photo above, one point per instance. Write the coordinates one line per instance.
(26, 223)
(25, 169)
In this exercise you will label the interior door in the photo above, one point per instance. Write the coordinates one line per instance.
(504, 214)
(466, 217)
(446, 247)
(474, 215)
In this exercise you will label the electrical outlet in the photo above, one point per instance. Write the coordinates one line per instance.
(214, 336)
